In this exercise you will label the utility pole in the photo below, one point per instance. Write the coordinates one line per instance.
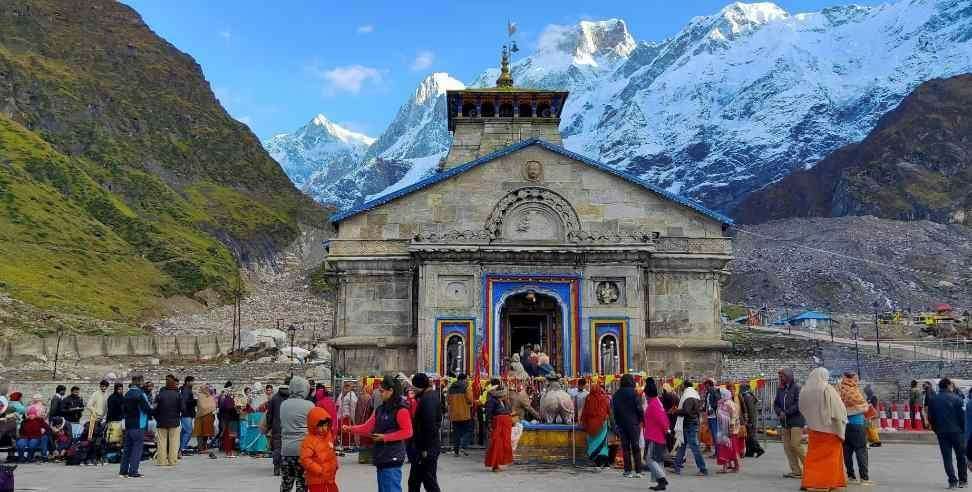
(877, 332)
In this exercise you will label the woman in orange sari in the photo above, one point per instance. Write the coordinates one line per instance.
(826, 417)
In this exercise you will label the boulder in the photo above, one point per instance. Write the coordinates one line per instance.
(271, 336)
(319, 372)
(295, 352)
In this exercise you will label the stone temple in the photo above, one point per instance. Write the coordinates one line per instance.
(516, 240)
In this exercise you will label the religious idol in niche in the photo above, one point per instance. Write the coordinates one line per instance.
(533, 171)
(608, 292)
(610, 362)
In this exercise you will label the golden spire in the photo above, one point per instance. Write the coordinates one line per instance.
(505, 79)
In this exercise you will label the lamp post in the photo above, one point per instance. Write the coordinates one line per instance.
(292, 330)
(877, 332)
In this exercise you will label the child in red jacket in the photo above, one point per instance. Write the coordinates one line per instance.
(317, 454)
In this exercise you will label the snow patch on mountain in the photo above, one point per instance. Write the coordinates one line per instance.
(321, 147)
(733, 101)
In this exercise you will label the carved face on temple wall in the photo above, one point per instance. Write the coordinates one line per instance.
(533, 171)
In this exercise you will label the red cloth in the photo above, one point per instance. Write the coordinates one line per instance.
(402, 417)
(726, 453)
(500, 451)
(597, 408)
(327, 403)
(34, 428)
(322, 487)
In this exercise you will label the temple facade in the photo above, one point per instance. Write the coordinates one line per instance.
(517, 241)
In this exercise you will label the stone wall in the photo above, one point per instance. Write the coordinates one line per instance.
(85, 347)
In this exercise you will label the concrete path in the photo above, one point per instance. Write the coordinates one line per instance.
(917, 350)
(901, 467)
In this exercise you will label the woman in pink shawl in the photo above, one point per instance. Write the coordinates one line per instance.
(727, 441)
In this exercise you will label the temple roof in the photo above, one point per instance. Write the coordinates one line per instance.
(444, 175)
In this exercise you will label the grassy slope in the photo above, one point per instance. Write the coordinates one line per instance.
(122, 179)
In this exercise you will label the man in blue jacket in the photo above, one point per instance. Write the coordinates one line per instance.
(947, 419)
(137, 413)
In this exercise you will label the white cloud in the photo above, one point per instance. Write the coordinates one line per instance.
(349, 78)
(366, 29)
(423, 60)
(227, 34)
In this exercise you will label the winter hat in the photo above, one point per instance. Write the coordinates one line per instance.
(37, 397)
(16, 396)
(228, 384)
(420, 380)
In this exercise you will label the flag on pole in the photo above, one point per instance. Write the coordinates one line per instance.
(510, 28)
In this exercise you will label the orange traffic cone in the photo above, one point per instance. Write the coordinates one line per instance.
(918, 425)
(906, 421)
(895, 421)
(882, 412)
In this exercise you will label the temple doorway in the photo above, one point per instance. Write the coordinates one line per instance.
(531, 318)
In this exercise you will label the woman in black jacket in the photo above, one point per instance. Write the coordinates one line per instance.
(628, 417)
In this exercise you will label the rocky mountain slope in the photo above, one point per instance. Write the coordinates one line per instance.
(123, 182)
(851, 262)
(735, 100)
(916, 164)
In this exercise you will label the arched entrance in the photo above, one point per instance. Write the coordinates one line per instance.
(532, 318)
(553, 315)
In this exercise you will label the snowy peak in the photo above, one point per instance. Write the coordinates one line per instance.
(593, 43)
(739, 19)
(434, 86)
(337, 131)
(321, 147)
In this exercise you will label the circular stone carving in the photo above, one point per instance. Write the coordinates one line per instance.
(607, 292)
(533, 171)
(540, 200)
(456, 290)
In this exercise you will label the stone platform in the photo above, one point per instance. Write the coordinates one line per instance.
(551, 443)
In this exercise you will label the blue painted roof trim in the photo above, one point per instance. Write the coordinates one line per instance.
(444, 175)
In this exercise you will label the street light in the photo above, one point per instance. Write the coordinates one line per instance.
(292, 330)
(877, 333)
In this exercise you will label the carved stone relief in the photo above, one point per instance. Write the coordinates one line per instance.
(533, 171)
(608, 291)
(454, 290)
(532, 213)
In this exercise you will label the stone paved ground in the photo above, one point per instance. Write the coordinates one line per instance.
(894, 467)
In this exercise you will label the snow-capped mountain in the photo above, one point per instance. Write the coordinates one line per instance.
(408, 150)
(732, 102)
(321, 149)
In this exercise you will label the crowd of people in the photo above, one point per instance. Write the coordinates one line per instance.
(642, 427)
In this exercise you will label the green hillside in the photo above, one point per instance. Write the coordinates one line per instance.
(122, 179)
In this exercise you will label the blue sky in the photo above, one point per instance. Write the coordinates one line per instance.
(274, 65)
